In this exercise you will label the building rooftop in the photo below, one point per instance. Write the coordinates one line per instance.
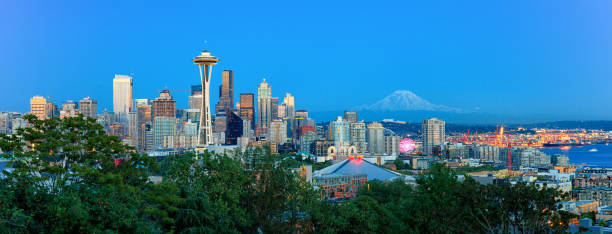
(356, 166)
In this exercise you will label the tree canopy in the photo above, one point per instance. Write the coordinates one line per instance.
(69, 176)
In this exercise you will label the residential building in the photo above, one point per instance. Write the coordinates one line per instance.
(433, 134)
(88, 107)
(376, 138)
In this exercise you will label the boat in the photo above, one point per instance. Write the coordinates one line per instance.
(593, 150)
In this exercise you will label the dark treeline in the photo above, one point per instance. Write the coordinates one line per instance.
(65, 179)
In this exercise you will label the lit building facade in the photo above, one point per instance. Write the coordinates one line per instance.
(264, 107)
(289, 102)
(38, 107)
(122, 95)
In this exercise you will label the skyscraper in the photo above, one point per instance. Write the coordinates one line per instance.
(195, 99)
(289, 102)
(278, 131)
(164, 127)
(247, 108)
(264, 107)
(38, 106)
(301, 114)
(122, 96)
(340, 133)
(205, 61)
(164, 105)
(274, 108)
(350, 116)
(226, 94)
(376, 138)
(234, 128)
(88, 107)
(433, 134)
(358, 136)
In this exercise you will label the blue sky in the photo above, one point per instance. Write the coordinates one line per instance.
(544, 58)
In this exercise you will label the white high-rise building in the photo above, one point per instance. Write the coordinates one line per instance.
(122, 96)
(433, 134)
(278, 131)
(264, 107)
(340, 133)
(289, 103)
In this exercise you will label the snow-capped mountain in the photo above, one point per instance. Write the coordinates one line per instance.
(404, 100)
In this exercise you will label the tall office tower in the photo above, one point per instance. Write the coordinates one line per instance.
(247, 108)
(340, 133)
(51, 109)
(88, 107)
(163, 128)
(226, 94)
(301, 114)
(133, 128)
(350, 116)
(274, 108)
(278, 131)
(376, 138)
(195, 101)
(164, 105)
(122, 96)
(392, 144)
(264, 107)
(219, 123)
(205, 61)
(289, 102)
(358, 136)
(234, 128)
(38, 106)
(144, 123)
(433, 134)
(282, 111)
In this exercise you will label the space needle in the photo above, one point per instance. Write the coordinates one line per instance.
(205, 61)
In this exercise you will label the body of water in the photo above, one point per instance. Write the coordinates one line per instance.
(591, 155)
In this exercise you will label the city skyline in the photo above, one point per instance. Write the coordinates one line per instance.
(559, 71)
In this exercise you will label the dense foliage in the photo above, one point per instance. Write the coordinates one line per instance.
(66, 179)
